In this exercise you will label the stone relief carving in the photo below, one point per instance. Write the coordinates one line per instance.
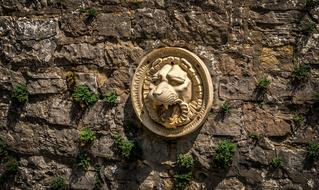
(171, 91)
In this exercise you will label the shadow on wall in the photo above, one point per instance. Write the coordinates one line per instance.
(159, 155)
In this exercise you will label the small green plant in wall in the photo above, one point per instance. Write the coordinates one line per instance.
(87, 136)
(308, 28)
(312, 3)
(182, 180)
(185, 161)
(276, 162)
(263, 84)
(3, 150)
(89, 12)
(11, 166)
(225, 152)
(110, 98)
(313, 151)
(298, 119)
(58, 183)
(226, 108)
(124, 146)
(84, 95)
(20, 93)
(316, 97)
(254, 136)
(261, 89)
(300, 73)
(83, 161)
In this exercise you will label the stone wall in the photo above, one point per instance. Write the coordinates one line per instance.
(241, 41)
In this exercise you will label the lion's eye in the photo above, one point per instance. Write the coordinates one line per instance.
(176, 81)
(156, 79)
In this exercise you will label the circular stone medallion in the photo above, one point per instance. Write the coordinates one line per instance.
(172, 91)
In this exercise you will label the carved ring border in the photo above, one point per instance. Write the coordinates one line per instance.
(137, 91)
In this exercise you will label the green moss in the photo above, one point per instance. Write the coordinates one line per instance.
(87, 136)
(276, 162)
(224, 154)
(58, 183)
(110, 98)
(185, 161)
(84, 96)
(83, 161)
(300, 72)
(20, 93)
(182, 180)
(313, 151)
(124, 146)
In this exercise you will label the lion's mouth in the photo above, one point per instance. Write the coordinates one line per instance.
(169, 113)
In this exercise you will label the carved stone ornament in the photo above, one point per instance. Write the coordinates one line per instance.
(172, 91)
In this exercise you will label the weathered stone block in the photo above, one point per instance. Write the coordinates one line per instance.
(55, 111)
(150, 23)
(267, 122)
(116, 25)
(46, 83)
(35, 29)
(30, 138)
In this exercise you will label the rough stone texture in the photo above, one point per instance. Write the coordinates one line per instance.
(41, 41)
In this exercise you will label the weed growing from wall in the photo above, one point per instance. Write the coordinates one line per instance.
(313, 151)
(300, 73)
(261, 89)
(298, 120)
(125, 147)
(110, 99)
(90, 13)
(312, 3)
(84, 96)
(276, 162)
(254, 136)
(20, 93)
(225, 152)
(185, 161)
(182, 180)
(226, 108)
(3, 150)
(83, 161)
(58, 183)
(316, 97)
(87, 136)
(308, 28)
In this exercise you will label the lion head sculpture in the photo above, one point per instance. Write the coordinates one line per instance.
(170, 93)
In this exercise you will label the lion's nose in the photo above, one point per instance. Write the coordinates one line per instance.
(157, 93)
